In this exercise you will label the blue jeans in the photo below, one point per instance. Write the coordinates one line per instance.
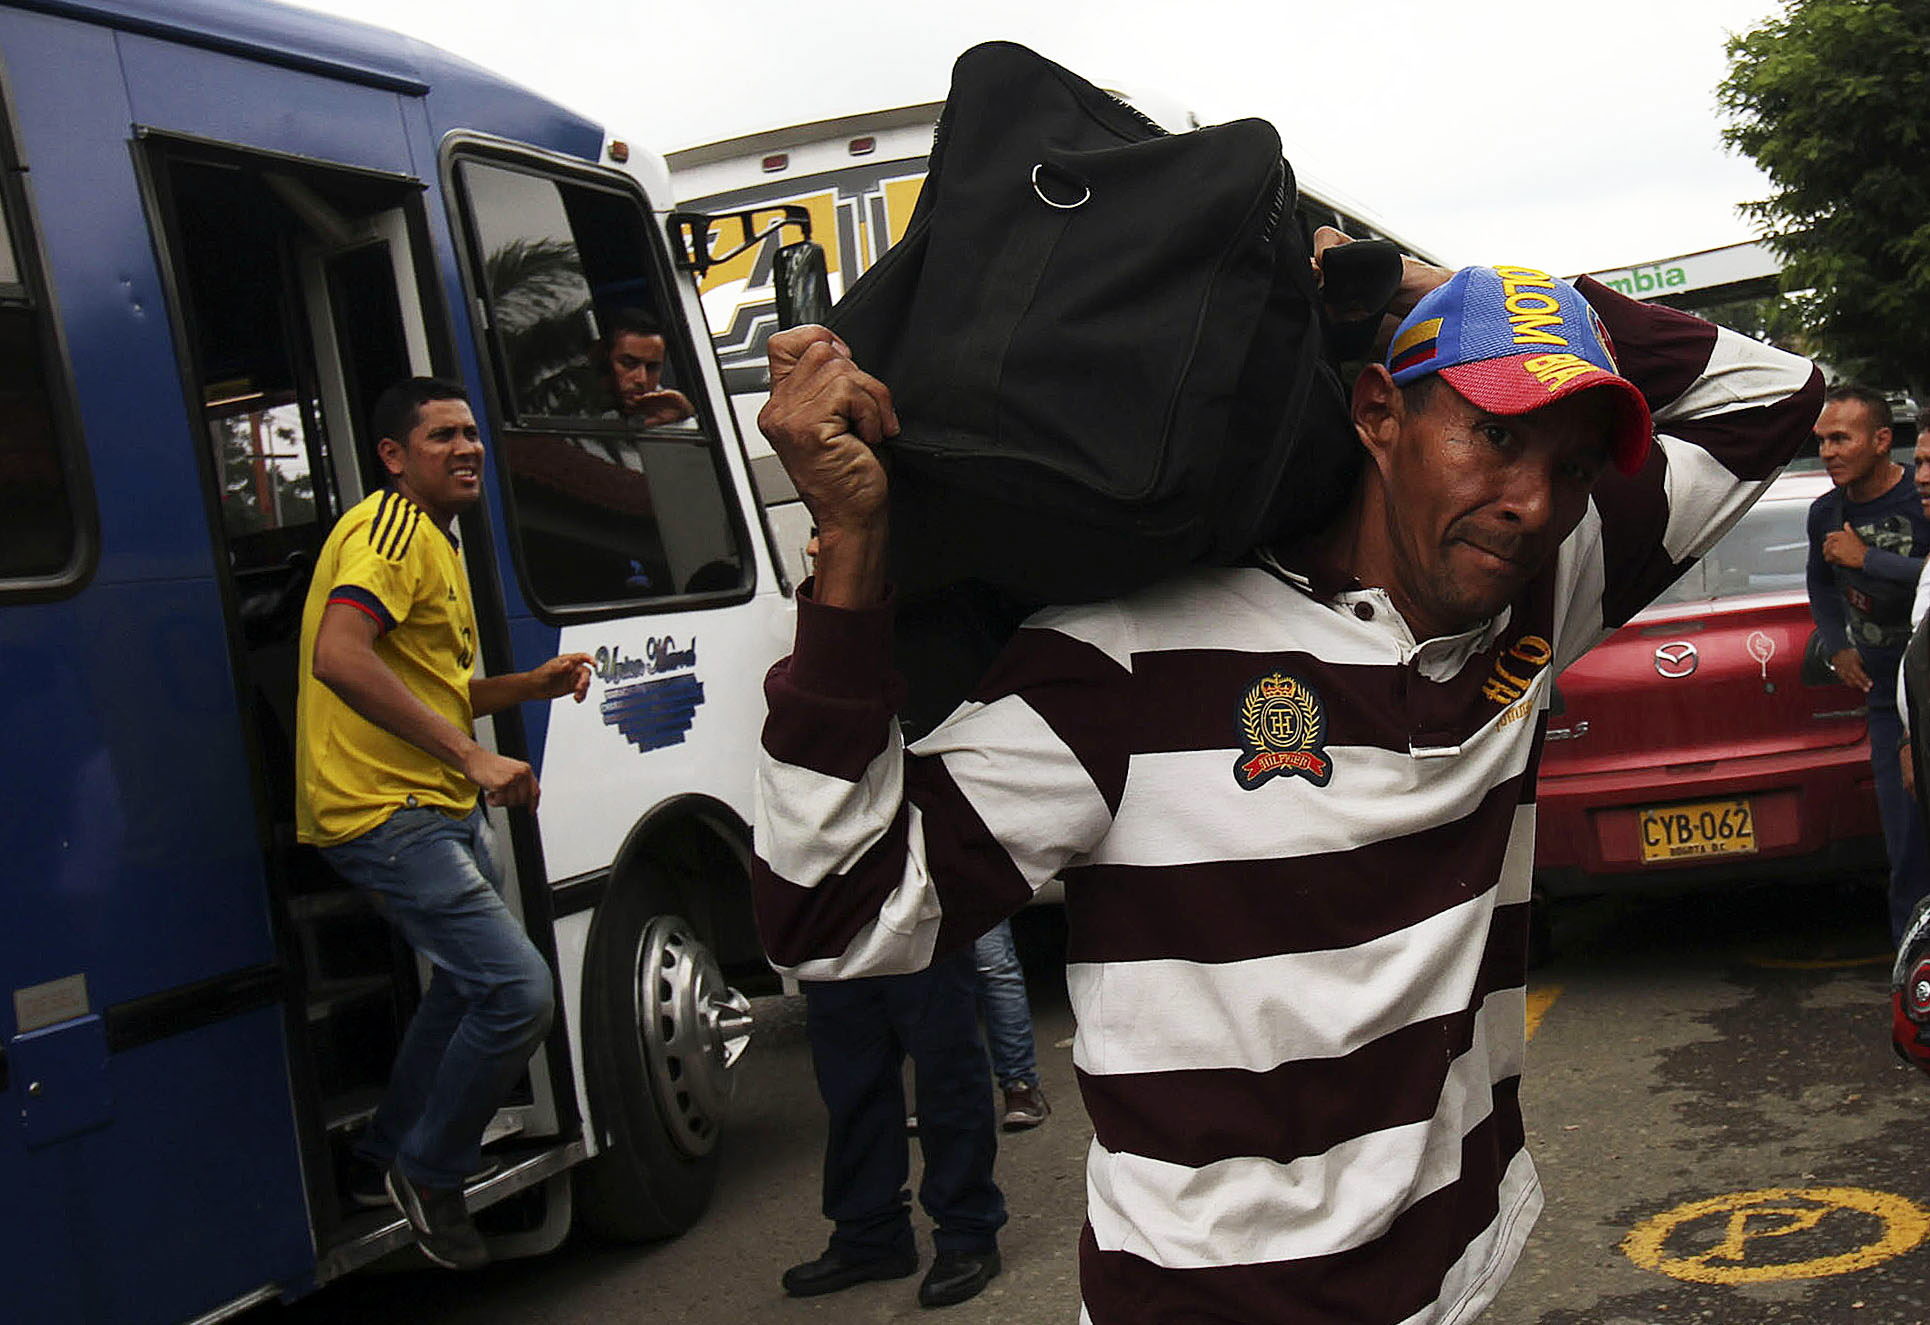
(1007, 1011)
(490, 999)
(1903, 833)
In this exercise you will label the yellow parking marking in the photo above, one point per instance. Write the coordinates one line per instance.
(1739, 1238)
(1539, 1001)
(1821, 963)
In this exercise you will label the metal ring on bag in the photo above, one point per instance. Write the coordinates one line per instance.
(1062, 206)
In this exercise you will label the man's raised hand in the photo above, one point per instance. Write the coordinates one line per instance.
(824, 417)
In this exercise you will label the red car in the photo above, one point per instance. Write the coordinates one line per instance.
(1707, 741)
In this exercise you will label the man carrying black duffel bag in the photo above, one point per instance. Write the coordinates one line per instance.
(1291, 800)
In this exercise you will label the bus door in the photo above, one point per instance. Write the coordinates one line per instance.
(297, 297)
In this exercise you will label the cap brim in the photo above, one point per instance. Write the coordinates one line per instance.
(1506, 386)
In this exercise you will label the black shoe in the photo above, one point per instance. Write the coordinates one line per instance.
(831, 1271)
(368, 1181)
(957, 1276)
(441, 1223)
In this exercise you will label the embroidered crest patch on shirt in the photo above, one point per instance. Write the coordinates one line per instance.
(1285, 731)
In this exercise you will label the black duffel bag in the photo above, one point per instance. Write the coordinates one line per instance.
(1103, 342)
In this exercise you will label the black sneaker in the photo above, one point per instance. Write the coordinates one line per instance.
(441, 1223)
(1025, 1106)
(368, 1181)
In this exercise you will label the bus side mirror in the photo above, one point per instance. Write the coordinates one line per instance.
(803, 288)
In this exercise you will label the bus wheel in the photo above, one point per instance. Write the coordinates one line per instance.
(662, 1036)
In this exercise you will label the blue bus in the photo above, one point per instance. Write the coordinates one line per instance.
(225, 226)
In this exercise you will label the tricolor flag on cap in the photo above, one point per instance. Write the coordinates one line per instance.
(1513, 339)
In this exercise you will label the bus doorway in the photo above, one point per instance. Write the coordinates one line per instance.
(297, 301)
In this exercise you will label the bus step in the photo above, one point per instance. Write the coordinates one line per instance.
(350, 1109)
(326, 997)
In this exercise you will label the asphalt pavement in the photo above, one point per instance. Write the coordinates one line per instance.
(1723, 1132)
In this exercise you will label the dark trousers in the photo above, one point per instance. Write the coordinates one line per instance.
(860, 1032)
(1903, 834)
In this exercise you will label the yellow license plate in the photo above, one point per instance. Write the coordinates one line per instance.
(1702, 828)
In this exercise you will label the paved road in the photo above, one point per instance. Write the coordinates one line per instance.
(1717, 1067)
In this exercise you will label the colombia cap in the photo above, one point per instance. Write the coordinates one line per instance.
(1512, 339)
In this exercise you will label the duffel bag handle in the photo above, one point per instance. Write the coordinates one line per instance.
(1063, 175)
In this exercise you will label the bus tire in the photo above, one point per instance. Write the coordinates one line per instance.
(662, 1034)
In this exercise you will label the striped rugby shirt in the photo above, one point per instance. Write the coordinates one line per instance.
(1297, 847)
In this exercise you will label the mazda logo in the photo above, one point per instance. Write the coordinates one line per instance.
(1675, 659)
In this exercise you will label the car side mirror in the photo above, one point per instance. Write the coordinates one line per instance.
(803, 287)
(1816, 668)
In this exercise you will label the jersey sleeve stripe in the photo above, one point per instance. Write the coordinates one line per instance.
(851, 815)
(1661, 350)
(354, 595)
(385, 511)
(947, 855)
(1020, 779)
(1241, 909)
(804, 923)
(824, 735)
(408, 534)
(1077, 689)
(1461, 1237)
(398, 523)
(1206, 1117)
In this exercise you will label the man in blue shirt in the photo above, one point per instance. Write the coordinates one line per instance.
(1867, 539)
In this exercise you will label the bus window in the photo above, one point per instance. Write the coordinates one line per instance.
(617, 492)
(40, 530)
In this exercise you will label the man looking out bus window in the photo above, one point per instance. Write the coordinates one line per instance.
(389, 776)
(633, 351)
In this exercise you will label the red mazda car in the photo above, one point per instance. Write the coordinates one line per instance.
(1707, 741)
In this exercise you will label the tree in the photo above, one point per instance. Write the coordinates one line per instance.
(542, 309)
(1832, 100)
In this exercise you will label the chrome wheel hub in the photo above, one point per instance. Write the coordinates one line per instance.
(693, 1028)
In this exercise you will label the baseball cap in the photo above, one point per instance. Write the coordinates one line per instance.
(1512, 339)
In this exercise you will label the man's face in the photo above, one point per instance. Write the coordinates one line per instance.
(1478, 502)
(636, 368)
(1851, 445)
(439, 465)
(1921, 456)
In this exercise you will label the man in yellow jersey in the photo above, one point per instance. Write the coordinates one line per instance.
(389, 775)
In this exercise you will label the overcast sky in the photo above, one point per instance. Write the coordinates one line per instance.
(1571, 137)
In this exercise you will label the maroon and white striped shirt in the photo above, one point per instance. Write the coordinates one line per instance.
(1297, 847)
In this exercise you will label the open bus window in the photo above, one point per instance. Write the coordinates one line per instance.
(617, 492)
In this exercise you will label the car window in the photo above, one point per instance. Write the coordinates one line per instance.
(1766, 552)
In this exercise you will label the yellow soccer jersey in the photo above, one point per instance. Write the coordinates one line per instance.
(386, 558)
